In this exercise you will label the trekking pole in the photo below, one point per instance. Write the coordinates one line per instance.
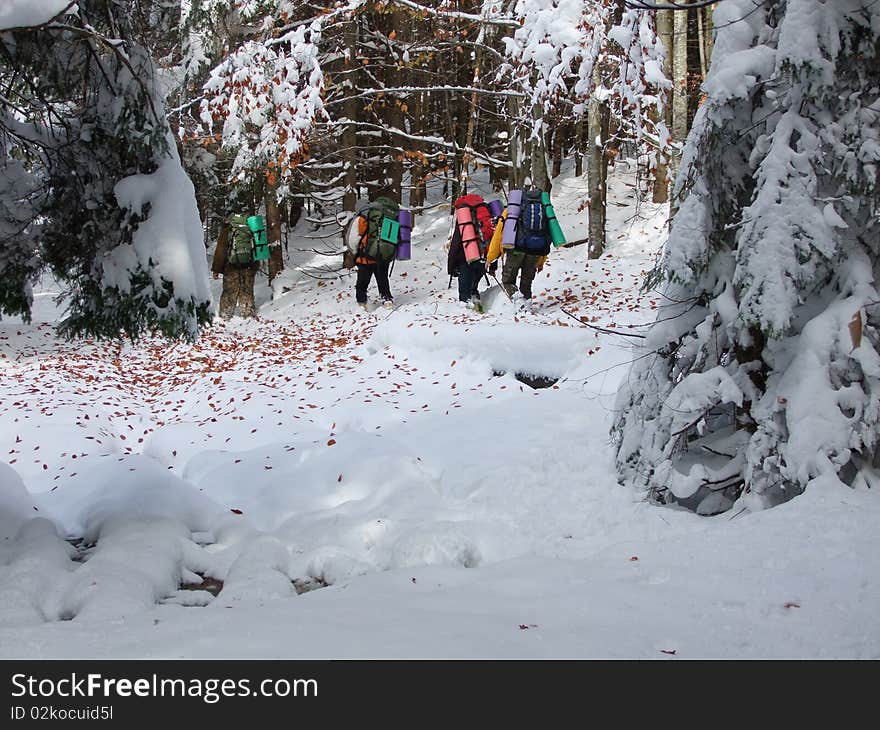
(509, 298)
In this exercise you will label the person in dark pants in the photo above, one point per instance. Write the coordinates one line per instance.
(526, 265)
(480, 229)
(468, 274)
(368, 224)
(516, 263)
(367, 269)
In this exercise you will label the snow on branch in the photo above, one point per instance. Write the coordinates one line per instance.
(488, 18)
(266, 99)
(422, 89)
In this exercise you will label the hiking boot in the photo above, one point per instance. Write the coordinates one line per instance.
(388, 303)
(362, 305)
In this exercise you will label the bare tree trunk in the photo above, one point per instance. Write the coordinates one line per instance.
(661, 174)
(538, 152)
(418, 191)
(701, 42)
(395, 119)
(516, 146)
(473, 113)
(273, 233)
(452, 131)
(679, 85)
(394, 172)
(578, 147)
(709, 31)
(349, 135)
(294, 212)
(679, 75)
(283, 216)
(598, 122)
(556, 148)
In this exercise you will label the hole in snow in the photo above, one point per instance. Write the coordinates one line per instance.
(530, 379)
(304, 585)
(209, 584)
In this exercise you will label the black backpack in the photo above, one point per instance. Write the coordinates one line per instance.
(532, 231)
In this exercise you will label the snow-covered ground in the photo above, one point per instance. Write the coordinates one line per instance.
(382, 485)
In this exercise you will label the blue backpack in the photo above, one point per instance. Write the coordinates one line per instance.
(533, 235)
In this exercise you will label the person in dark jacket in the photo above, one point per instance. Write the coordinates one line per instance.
(469, 273)
(238, 278)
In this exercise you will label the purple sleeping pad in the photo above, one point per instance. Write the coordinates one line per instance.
(508, 237)
(404, 217)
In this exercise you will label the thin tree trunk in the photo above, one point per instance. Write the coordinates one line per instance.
(556, 154)
(661, 173)
(701, 43)
(516, 146)
(418, 191)
(538, 153)
(679, 86)
(598, 118)
(455, 164)
(472, 115)
(394, 171)
(679, 75)
(710, 30)
(349, 134)
(395, 119)
(578, 147)
(273, 233)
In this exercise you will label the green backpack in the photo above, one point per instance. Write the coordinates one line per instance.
(240, 251)
(380, 239)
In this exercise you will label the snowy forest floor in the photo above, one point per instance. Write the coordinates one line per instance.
(380, 484)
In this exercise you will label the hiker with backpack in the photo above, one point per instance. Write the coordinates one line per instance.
(371, 240)
(234, 261)
(524, 238)
(472, 229)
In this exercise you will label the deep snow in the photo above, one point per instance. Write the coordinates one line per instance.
(381, 485)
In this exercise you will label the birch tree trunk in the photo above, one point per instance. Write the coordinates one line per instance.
(679, 86)
(701, 42)
(709, 31)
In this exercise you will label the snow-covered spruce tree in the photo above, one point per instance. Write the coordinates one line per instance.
(99, 195)
(760, 378)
